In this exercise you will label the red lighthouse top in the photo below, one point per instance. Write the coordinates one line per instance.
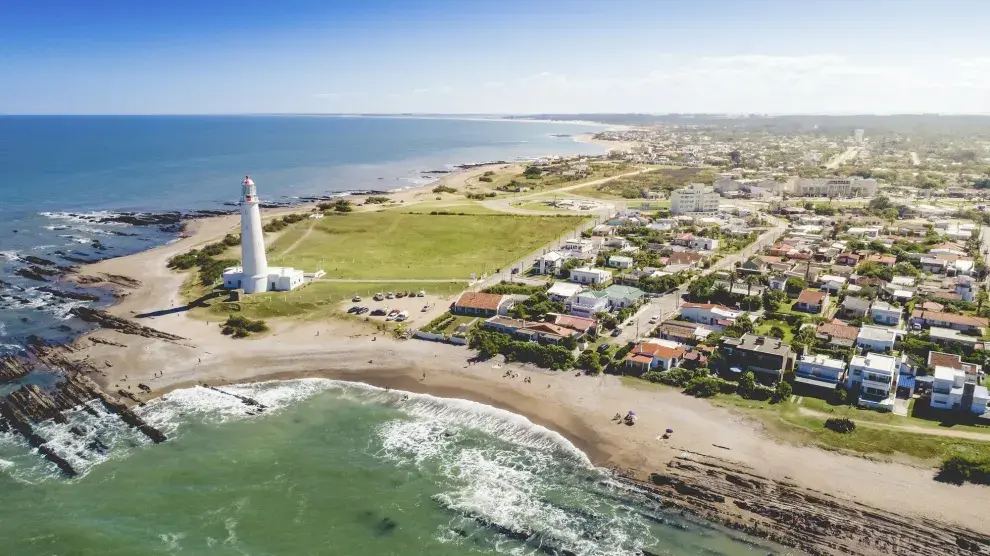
(248, 192)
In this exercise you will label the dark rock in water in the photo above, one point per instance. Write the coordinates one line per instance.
(386, 526)
(106, 320)
(64, 328)
(37, 273)
(143, 219)
(78, 296)
(38, 260)
(480, 164)
(98, 245)
(97, 445)
(78, 430)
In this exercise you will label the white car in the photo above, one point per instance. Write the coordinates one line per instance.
(654, 319)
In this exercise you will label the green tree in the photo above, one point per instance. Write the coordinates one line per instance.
(783, 391)
(794, 285)
(747, 383)
(590, 361)
(776, 332)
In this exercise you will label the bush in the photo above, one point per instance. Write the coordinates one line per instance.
(439, 323)
(839, 396)
(703, 386)
(676, 376)
(590, 361)
(485, 179)
(444, 189)
(776, 332)
(376, 200)
(961, 469)
(840, 425)
(783, 391)
(490, 343)
(240, 327)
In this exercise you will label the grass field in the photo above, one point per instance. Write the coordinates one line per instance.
(550, 181)
(458, 206)
(764, 329)
(392, 244)
(320, 299)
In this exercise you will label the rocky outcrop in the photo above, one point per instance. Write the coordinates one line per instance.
(813, 522)
(77, 296)
(104, 319)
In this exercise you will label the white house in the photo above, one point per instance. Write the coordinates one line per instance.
(875, 338)
(820, 370)
(280, 278)
(578, 245)
(696, 197)
(832, 284)
(588, 303)
(966, 287)
(836, 187)
(550, 263)
(876, 375)
(588, 275)
(951, 390)
(884, 313)
(716, 316)
(620, 261)
(704, 244)
(562, 291)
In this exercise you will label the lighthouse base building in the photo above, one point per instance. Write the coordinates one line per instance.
(254, 275)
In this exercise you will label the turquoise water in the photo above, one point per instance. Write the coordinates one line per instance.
(330, 468)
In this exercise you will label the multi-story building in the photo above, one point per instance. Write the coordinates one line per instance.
(836, 187)
(819, 371)
(876, 375)
(589, 303)
(588, 275)
(766, 357)
(696, 197)
(954, 389)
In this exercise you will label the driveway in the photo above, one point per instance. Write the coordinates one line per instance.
(901, 407)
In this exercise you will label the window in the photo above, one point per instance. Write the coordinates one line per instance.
(857, 372)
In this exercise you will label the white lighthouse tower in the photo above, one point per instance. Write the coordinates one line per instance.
(254, 264)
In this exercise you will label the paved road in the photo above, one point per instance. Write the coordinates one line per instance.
(846, 156)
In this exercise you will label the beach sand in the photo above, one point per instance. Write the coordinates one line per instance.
(579, 407)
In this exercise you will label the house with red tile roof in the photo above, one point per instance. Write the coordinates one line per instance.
(654, 355)
(955, 321)
(812, 301)
(481, 304)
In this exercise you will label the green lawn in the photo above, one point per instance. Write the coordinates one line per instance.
(453, 205)
(394, 244)
(320, 299)
(764, 329)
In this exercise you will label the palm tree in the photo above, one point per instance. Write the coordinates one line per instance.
(750, 280)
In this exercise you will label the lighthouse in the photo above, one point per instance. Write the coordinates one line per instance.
(254, 264)
(254, 275)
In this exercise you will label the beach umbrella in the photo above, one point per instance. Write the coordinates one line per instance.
(670, 431)
(633, 413)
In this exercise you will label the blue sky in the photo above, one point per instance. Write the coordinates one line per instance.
(481, 56)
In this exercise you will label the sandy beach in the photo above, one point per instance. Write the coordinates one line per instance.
(579, 407)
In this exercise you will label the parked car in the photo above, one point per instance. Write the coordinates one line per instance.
(654, 319)
(379, 296)
(616, 332)
(426, 308)
(515, 271)
(353, 309)
(421, 294)
(401, 316)
(392, 315)
(603, 348)
(390, 295)
(362, 310)
(400, 294)
(378, 312)
(356, 299)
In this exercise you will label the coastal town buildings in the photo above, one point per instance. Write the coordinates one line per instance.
(717, 316)
(766, 357)
(836, 187)
(694, 198)
(819, 371)
(876, 377)
(591, 276)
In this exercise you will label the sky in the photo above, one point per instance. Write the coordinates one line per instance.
(494, 57)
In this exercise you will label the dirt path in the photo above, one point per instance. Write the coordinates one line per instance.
(969, 435)
(301, 239)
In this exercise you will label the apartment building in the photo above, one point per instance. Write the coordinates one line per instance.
(696, 197)
(876, 375)
(836, 187)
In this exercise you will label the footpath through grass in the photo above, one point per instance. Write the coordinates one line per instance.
(393, 244)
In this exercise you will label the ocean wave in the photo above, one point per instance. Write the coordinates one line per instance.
(76, 239)
(11, 255)
(94, 217)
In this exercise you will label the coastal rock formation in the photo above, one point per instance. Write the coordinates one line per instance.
(814, 522)
(78, 296)
(105, 320)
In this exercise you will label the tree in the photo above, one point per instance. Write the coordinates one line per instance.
(874, 269)
(701, 289)
(703, 386)
(590, 361)
(751, 280)
(776, 332)
(906, 269)
(747, 383)
(880, 203)
(783, 391)
(794, 285)
(981, 298)
(569, 342)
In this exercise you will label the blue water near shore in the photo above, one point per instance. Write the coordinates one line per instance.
(62, 176)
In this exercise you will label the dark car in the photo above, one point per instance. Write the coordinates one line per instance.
(362, 310)
(603, 348)
(353, 309)
(378, 312)
(616, 332)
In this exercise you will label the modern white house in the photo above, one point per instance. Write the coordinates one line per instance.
(696, 197)
(882, 312)
(953, 389)
(589, 275)
(832, 284)
(550, 263)
(620, 261)
(562, 291)
(588, 303)
(820, 370)
(967, 287)
(876, 338)
(254, 275)
(876, 375)
(704, 243)
(578, 245)
(718, 317)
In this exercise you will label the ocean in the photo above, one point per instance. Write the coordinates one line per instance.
(67, 180)
(331, 468)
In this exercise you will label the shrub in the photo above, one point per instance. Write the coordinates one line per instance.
(703, 386)
(485, 179)
(839, 396)
(240, 327)
(783, 391)
(590, 361)
(377, 200)
(444, 189)
(960, 469)
(840, 425)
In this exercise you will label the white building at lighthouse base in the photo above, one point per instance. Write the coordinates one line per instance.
(280, 278)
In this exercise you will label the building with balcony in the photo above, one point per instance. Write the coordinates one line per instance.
(589, 303)
(884, 313)
(836, 187)
(876, 376)
(696, 197)
(819, 371)
(588, 275)
(955, 390)
(766, 357)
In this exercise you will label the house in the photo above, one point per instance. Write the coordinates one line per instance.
(541, 332)
(766, 357)
(886, 260)
(940, 359)
(685, 258)
(854, 307)
(578, 245)
(876, 376)
(683, 332)
(620, 297)
(589, 303)
(831, 283)
(778, 283)
(848, 259)
(754, 265)
(838, 333)
(934, 265)
(953, 389)
(964, 323)
(562, 291)
(620, 261)
(619, 243)
(812, 301)
(717, 316)
(966, 287)
(585, 326)
(884, 313)
(589, 275)
(482, 304)
(696, 242)
(741, 288)
(950, 336)
(878, 339)
(549, 263)
(654, 355)
(819, 371)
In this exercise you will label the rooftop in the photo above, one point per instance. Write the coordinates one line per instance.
(478, 300)
(761, 344)
(874, 362)
(823, 361)
(811, 297)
